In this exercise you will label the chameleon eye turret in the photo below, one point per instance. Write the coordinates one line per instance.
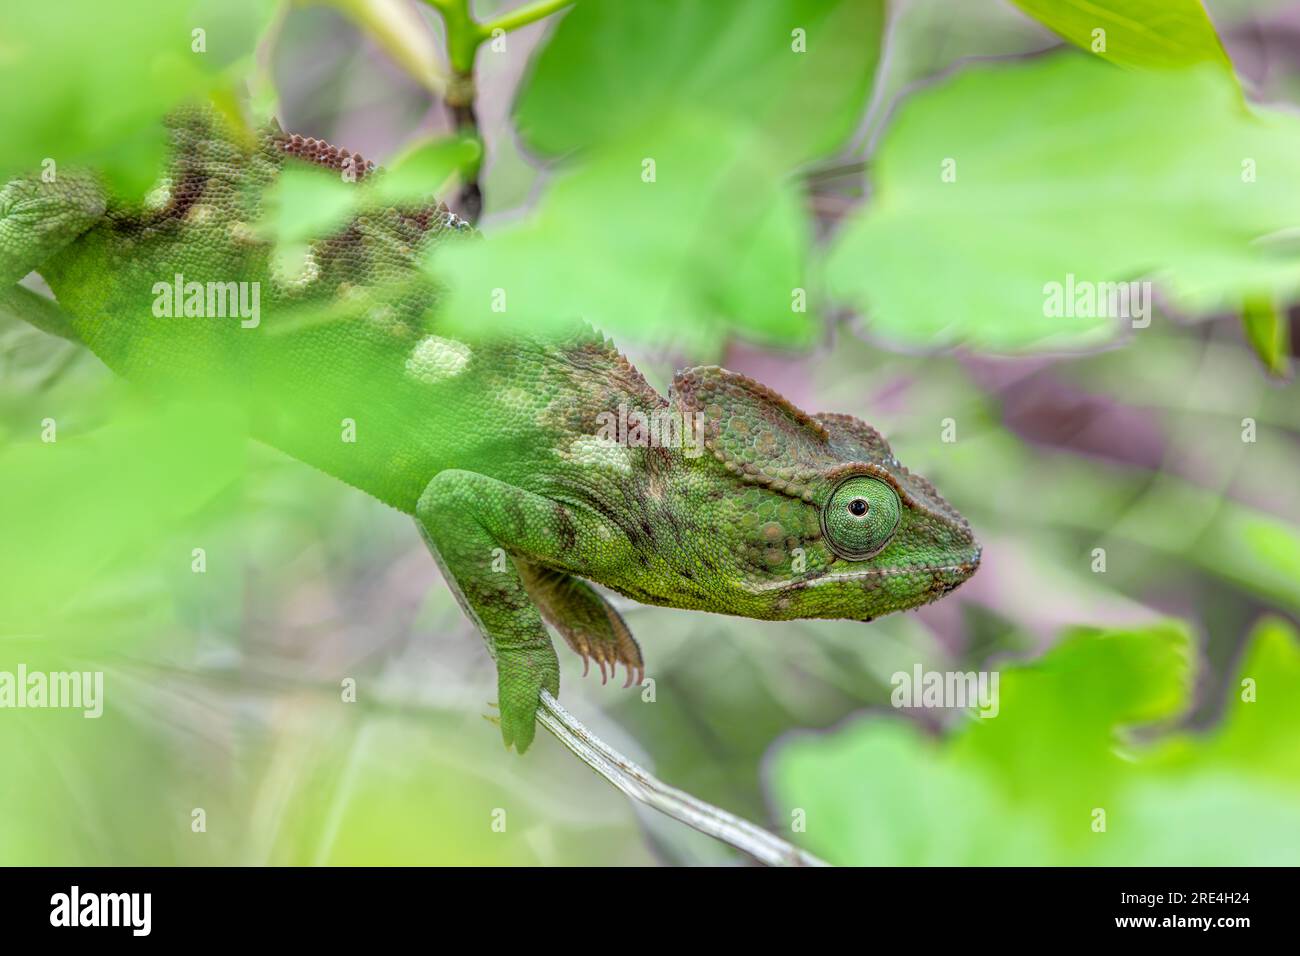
(860, 517)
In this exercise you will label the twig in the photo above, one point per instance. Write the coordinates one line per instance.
(637, 784)
(634, 781)
(464, 36)
(521, 17)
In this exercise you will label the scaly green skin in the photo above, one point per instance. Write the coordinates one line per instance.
(491, 443)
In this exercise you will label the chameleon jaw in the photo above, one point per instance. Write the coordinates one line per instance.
(964, 569)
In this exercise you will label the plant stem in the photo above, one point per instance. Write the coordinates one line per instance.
(637, 784)
(528, 13)
(464, 36)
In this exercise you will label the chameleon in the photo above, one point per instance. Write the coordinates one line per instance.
(500, 446)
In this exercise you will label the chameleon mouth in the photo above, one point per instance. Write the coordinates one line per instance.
(960, 573)
(947, 577)
(953, 573)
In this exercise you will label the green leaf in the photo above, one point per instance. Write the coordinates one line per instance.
(1260, 733)
(612, 67)
(1269, 334)
(1146, 33)
(422, 170)
(713, 243)
(1009, 182)
(306, 204)
(89, 86)
(96, 506)
(1026, 785)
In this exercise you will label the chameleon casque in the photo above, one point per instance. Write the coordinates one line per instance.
(491, 442)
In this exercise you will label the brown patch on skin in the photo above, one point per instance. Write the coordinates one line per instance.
(414, 223)
(185, 194)
(669, 519)
(568, 532)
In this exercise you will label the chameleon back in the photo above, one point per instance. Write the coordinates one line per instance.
(185, 294)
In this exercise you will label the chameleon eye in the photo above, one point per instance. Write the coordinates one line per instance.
(860, 517)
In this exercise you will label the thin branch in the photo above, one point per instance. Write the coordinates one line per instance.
(464, 36)
(634, 781)
(640, 785)
(528, 13)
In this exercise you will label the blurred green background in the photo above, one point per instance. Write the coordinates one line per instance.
(800, 152)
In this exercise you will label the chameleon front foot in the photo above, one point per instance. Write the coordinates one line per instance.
(587, 622)
(522, 675)
(468, 520)
(607, 659)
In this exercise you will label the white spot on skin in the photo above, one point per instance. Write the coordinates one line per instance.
(385, 317)
(160, 195)
(308, 270)
(435, 359)
(517, 398)
(596, 452)
(243, 232)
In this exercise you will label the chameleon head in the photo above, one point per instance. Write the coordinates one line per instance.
(828, 523)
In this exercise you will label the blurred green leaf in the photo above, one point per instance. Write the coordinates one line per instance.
(1008, 179)
(1269, 334)
(82, 511)
(1151, 33)
(305, 204)
(1024, 786)
(96, 79)
(1256, 550)
(1260, 735)
(422, 170)
(599, 77)
(713, 243)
